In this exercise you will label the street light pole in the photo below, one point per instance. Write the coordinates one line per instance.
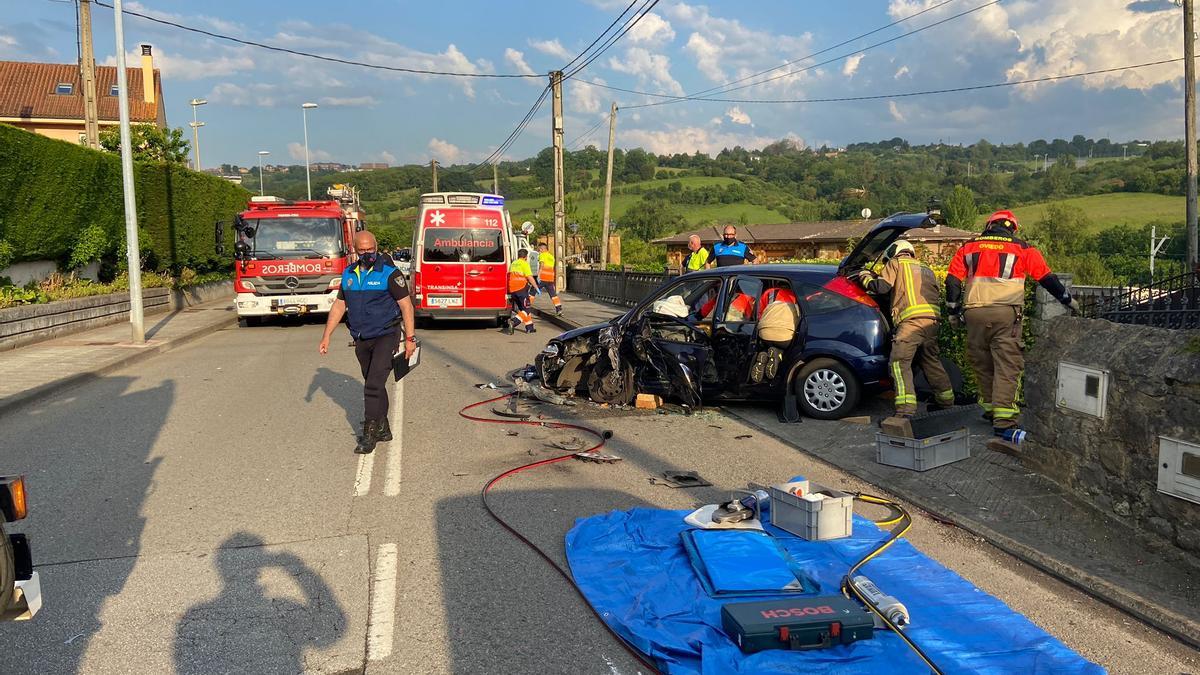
(1189, 128)
(196, 124)
(261, 153)
(133, 255)
(304, 108)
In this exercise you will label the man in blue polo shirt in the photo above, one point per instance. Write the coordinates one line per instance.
(372, 296)
(730, 251)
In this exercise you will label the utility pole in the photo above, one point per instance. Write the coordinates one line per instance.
(560, 214)
(1156, 245)
(433, 163)
(133, 255)
(1189, 125)
(196, 124)
(304, 108)
(495, 179)
(612, 135)
(87, 70)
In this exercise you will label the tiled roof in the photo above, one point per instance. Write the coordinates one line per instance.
(27, 90)
(827, 231)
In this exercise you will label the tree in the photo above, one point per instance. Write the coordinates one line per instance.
(151, 143)
(652, 219)
(960, 209)
(1062, 230)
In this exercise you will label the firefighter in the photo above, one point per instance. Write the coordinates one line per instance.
(546, 276)
(520, 284)
(986, 285)
(915, 319)
(372, 296)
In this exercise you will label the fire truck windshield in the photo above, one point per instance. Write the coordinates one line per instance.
(295, 237)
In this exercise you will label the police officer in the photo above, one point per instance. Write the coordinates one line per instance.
(520, 283)
(730, 251)
(697, 257)
(915, 297)
(546, 278)
(986, 282)
(372, 296)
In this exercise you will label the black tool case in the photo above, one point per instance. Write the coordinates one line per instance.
(797, 623)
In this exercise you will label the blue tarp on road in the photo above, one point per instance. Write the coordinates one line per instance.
(633, 569)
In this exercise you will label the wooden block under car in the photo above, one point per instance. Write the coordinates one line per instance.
(897, 426)
(648, 401)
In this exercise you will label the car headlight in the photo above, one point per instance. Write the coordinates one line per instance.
(552, 349)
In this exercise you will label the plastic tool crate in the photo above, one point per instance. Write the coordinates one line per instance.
(923, 454)
(817, 514)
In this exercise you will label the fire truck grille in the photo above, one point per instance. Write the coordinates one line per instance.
(293, 285)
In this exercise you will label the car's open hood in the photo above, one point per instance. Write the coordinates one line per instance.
(882, 235)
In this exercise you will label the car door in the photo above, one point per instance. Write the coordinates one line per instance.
(672, 339)
(733, 340)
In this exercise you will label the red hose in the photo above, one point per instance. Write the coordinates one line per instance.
(633, 651)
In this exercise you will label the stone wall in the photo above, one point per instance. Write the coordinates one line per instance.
(1153, 390)
(27, 324)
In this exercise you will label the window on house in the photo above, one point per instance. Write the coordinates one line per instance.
(112, 91)
(64, 89)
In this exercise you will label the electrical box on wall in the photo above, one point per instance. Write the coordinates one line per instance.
(1179, 468)
(1082, 389)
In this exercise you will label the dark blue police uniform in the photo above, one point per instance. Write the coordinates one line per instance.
(732, 254)
(371, 293)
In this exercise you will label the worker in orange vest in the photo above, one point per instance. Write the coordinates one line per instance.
(520, 284)
(546, 277)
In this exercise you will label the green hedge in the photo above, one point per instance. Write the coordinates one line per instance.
(51, 190)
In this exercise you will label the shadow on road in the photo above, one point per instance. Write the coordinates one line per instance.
(87, 460)
(344, 390)
(250, 626)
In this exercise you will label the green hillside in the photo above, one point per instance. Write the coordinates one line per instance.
(1104, 211)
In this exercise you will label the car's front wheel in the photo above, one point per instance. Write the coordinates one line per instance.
(826, 389)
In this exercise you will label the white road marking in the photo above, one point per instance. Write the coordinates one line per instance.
(395, 449)
(383, 604)
(362, 480)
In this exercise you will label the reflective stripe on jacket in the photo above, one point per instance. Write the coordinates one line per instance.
(915, 290)
(546, 267)
(993, 267)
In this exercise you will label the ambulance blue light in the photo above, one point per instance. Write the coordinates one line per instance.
(493, 201)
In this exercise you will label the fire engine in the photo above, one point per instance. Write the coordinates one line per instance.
(291, 254)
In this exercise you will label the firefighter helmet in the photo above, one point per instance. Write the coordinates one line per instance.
(899, 246)
(1004, 218)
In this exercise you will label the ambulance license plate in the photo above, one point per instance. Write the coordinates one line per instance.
(445, 301)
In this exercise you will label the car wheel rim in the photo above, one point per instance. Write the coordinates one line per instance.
(825, 390)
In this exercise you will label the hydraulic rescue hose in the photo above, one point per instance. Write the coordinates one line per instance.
(602, 436)
(903, 523)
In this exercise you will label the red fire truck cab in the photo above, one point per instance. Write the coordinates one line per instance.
(290, 256)
(462, 245)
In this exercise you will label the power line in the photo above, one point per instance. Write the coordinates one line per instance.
(294, 52)
(927, 92)
(692, 97)
(601, 35)
(587, 133)
(516, 133)
(645, 9)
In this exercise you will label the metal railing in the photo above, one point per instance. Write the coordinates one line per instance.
(1172, 302)
(623, 288)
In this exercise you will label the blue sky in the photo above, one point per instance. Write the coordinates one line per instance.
(681, 47)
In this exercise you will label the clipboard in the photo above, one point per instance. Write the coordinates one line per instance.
(402, 366)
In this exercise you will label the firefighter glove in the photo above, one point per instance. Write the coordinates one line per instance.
(956, 321)
(1073, 305)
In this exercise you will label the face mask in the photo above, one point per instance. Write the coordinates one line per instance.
(729, 238)
(367, 258)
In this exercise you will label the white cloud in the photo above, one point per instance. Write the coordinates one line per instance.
(296, 152)
(174, 66)
(689, 139)
(349, 101)
(517, 60)
(894, 111)
(851, 65)
(651, 29)
(584, 98)
(251, 95)
(445, 152)
(649, 69)
(901, 73)
(737, 116)
(551, 47)
(382, 156)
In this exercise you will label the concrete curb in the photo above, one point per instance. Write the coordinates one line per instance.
(1177, 626)
(561, 322)
(135, 355)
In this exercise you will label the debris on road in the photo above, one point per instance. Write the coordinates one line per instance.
(649, 401)
(680, 479)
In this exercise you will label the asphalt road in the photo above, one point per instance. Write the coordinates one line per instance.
(202, 512)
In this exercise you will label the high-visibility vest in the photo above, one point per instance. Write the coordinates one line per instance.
(546, 267)
(518, 272)
(696, 260)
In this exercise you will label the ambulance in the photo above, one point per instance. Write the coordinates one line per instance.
(463, 243)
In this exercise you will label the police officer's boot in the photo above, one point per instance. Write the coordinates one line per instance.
(369, 439)
(385, 431)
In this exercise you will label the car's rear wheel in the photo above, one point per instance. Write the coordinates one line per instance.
(826, 389)
(8, 573)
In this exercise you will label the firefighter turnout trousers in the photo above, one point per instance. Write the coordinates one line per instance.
(915, 337)
(994, 349)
